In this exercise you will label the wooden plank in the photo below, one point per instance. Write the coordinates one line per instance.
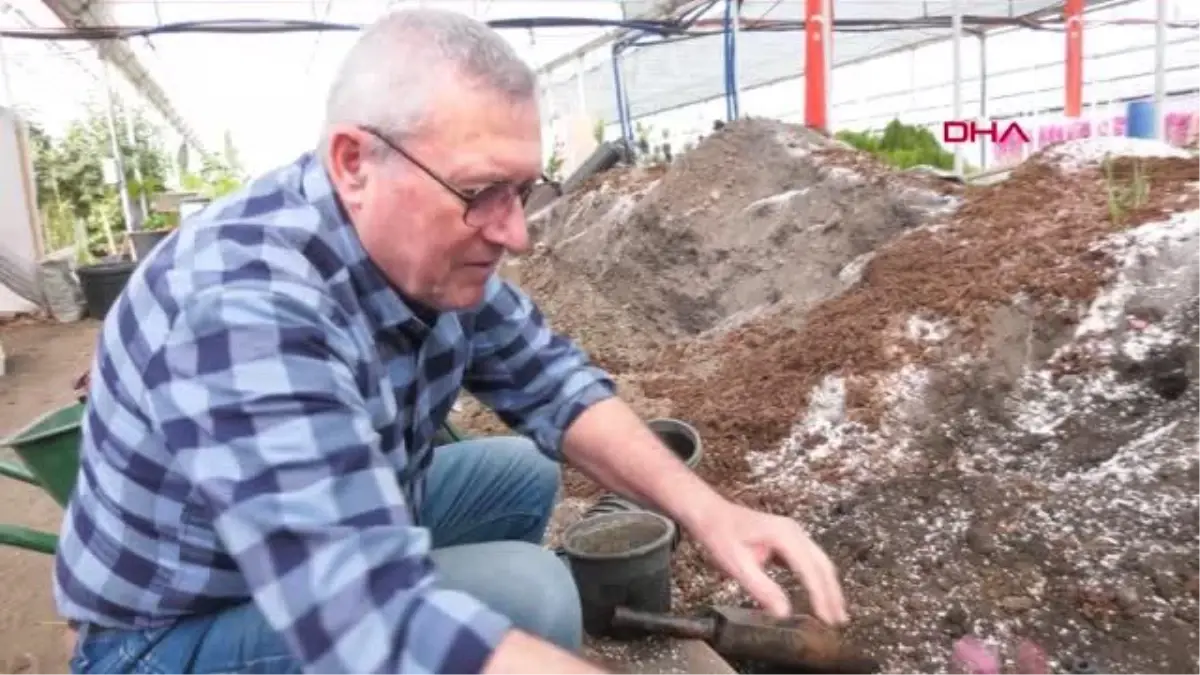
(657, 655)
(702, 659)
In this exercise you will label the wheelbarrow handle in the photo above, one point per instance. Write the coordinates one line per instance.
(18, 472)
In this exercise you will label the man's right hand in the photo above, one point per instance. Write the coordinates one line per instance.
(520, 652)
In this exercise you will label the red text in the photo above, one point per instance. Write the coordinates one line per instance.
(968, 131)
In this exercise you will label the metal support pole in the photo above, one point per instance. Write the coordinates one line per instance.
(118, 160)
(983, 98)
(726, 58)
(628, 104)
(734, 28)
(816, 108)
(1160, 69)
(827, 45)
(956, 58)
(619, 88)
(131, 133)
(1073, 13)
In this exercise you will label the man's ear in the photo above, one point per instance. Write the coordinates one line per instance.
(346, 161)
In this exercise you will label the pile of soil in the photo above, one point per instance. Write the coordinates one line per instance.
(993, 432)
(760, 213)
(985, 409)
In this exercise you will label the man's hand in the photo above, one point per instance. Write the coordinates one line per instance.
(613, 446)
(742, 541)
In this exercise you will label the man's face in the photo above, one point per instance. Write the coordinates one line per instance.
(411, 226)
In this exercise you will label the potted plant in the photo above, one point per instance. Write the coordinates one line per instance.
(156, 228)
(101, 267)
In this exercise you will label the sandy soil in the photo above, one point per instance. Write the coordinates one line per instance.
(43, 360)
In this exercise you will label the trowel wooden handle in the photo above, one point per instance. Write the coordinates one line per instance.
(687, 628)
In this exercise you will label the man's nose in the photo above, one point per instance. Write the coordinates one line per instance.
(511, 232)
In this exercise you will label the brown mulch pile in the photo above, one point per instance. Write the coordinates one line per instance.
(1032, 235)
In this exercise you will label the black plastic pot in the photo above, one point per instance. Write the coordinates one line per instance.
(620, 559)
(604, 157)
(102, 284)
(683, 439)
(145, 241)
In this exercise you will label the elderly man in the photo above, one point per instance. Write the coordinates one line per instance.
(258, 491)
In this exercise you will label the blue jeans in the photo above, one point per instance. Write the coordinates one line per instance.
(488, 504)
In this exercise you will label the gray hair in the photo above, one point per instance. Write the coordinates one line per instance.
(390, 74)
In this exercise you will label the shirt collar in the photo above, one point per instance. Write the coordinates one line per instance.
(382, 301)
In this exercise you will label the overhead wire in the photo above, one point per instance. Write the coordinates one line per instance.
(274, 26)
(663, 28)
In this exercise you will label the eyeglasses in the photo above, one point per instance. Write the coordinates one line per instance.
(486, 205)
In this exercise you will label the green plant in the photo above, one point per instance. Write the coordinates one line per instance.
(70, 181)
(212, 181)
(900, 145)
(217, 176)
(554, 163)
(1125, 193)
(642, 132)
(160, 221)
(598, 131)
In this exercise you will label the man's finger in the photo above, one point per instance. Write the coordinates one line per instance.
(832, 584)
(816, 571)
(761, 587)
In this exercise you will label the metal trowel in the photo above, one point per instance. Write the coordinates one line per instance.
(795, 643)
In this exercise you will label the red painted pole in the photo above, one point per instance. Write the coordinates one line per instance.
(1073, 15)
(815, 104)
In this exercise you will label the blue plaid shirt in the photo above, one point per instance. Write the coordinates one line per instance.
(259, 424)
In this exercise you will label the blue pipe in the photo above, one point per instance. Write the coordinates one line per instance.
(731, 99)
(622, 104)
(624, 110)
(629, 118)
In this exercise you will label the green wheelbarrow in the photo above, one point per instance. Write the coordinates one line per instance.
(49, 452)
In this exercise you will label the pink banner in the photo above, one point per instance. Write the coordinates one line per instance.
(1181, 129)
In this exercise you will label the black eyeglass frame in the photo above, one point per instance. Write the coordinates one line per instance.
(473, 199)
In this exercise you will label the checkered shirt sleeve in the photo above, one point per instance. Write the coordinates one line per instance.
(535, 379)
(260, 398)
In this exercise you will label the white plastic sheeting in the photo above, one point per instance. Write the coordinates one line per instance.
(661, 77)
(19, 233)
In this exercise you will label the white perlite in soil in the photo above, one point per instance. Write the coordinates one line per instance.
(1088, 152)
(1062, 508)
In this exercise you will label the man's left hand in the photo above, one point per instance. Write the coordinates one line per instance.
(742, 541)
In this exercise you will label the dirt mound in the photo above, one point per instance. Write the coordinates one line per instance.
(758, 214)
(984, 404)
(1001, 423)
(1030, 240)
